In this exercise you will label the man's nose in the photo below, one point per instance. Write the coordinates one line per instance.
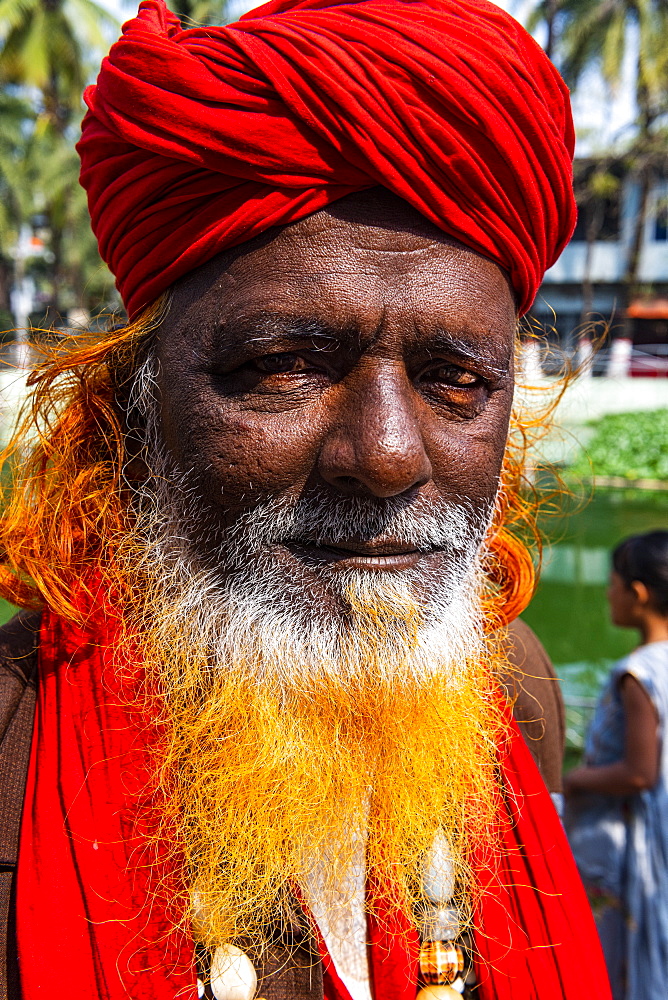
(375, 443)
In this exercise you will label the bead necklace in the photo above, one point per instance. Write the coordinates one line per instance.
(445, 965)
(446, 969)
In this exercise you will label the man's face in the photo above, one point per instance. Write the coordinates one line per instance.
(356, 354)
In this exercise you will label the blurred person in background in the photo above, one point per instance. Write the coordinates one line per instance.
(617, 813)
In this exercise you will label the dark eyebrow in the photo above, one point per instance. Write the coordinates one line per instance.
(271, 327)
(463, 348)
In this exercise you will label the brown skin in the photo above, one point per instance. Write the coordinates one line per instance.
(631, 606)
(359, 352)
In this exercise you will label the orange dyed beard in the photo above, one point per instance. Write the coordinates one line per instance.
(259, 780)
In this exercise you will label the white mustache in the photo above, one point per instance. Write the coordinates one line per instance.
(418, 523)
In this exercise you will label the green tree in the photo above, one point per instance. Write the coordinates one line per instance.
(75, 275)
(48, 49)
(585, 34)
(48, 45)
(17, 116)
(193, 12)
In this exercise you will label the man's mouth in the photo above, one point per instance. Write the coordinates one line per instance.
(378, 554)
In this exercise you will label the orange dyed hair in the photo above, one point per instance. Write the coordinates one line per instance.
(66, 506)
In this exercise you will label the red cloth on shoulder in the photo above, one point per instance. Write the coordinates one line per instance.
(84, 927)
(82, 924)
(198, 140)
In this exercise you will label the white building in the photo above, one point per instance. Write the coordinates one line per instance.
(602, 264)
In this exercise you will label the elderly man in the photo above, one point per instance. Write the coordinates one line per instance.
(268, 526)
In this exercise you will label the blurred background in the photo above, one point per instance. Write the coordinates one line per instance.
(602, 310)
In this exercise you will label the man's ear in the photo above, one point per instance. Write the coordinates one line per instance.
(641, 592)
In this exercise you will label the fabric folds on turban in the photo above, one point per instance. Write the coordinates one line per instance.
(198, 140)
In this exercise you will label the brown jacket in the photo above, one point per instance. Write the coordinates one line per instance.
(533, 688)
(530, 683)
(18, 689)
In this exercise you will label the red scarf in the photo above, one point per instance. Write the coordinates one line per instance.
(81, 921)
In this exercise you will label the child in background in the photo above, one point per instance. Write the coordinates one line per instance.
(617, 802)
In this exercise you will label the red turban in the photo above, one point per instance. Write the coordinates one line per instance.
(197, 140)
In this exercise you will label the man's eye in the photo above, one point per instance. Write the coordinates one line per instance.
(454, 375)
(275, 364)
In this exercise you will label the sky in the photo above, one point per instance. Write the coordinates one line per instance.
(601, 118)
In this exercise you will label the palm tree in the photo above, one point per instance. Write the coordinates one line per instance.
(17, 117)
(42, 47)
(48, 50)
(46, 53)
(598, 186)
(596, 33)
(76, 274)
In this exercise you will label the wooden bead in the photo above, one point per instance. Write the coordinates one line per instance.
(232, 974)
(438, 993)
(440, 962)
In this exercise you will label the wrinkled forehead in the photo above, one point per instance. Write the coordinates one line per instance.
(368, 259)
